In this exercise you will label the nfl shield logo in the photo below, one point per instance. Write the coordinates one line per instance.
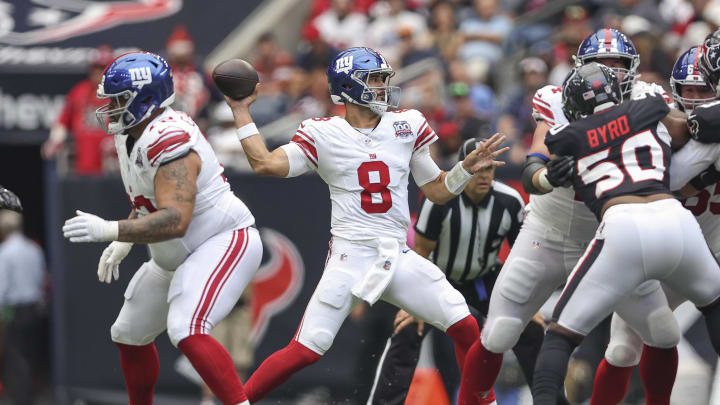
(402, 129)
(387, 265)
(139, 161)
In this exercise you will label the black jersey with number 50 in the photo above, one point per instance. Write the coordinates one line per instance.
(620, 151)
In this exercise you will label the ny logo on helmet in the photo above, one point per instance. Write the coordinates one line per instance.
(140, 76)
(344, 64)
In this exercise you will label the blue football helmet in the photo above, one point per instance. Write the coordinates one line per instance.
(137, 84)
(348, 76)
(611, 43)
(686, 72)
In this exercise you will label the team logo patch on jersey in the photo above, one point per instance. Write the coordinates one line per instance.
(387, 265)
(402, 129)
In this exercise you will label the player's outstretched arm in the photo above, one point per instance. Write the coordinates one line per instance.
(534, 174)
(261, 160)
(451, 183)
(175, 189)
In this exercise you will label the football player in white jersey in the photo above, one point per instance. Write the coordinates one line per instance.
(558, 227)
(690, 90)
(203, 246)
(366, 159)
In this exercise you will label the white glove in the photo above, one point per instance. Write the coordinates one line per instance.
(109, 265)
(90, 228)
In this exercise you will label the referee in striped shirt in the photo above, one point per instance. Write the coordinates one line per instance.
(463, 238)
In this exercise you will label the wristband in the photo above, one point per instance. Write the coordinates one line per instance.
(247, 131)
(457, 178)
(543, 180)
(111, 230)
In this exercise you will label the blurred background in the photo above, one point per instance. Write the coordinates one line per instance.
(471, 66)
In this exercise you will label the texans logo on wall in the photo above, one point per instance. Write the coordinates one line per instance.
(277, 282)
(46, 21)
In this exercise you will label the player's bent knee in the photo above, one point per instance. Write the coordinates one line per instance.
(453, 306)
(623, 355)
(664, 329)
(318, 340)
(123, 332)
(502, 335)
(521, 279)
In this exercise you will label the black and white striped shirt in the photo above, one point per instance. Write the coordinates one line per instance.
(469, 235)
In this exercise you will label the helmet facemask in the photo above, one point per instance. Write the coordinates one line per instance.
(687, 104)
(628, 73)
(377, 98)
(114, 117)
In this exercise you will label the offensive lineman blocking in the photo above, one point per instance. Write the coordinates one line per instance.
(203, 246)
(366, 158)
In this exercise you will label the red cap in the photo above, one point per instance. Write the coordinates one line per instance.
(101, 57)
(180, 41)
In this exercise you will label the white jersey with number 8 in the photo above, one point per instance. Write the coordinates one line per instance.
(367, 174)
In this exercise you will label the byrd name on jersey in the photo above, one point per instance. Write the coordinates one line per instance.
(366, 170)
(624, 150)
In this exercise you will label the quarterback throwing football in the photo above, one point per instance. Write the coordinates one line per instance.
(366, 158)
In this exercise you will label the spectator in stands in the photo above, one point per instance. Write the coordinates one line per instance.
(268, 57)
(22, 282)
(407, 49)
(484, 32)
(78, 118)
(516, 120)
(191, 95)
(340, 26)
(443, 37)
(223, 138)
(393, 28)
(471, 124)
(316, 100)
(315, 53)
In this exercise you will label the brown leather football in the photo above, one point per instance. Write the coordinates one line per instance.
(235, 78)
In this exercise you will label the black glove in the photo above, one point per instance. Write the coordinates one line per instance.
(704, 123)
(560, 171)
(706, 178)
(8, 200)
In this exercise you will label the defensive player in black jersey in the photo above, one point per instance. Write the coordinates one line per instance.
(617, 157)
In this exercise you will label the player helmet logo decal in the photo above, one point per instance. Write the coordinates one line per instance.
(277, 282)
(57, 20)
(140, 76)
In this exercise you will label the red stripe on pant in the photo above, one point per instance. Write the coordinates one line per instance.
(211, 285)
(245, 242)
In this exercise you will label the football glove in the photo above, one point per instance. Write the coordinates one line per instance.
(9, 201)
(560, 171)
(90, 228)
(109, 266)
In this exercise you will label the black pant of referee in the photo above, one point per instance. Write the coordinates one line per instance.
(400, 358)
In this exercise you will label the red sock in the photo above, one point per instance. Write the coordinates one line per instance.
(611, 384)
(277, 368)
(658, 368)
(215, 366)
(479, 374)
(140, 366)
(463, 333)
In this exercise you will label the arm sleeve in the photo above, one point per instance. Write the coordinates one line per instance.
(305, 140)
(704, 122)
(422, 167)
(297, 160)
(547, 105)
(425, 135)
(689, 161)
(430, 218)
(174, 144)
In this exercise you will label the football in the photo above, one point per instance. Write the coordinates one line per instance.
(235, 78)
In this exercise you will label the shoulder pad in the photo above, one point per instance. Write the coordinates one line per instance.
(547, 105)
